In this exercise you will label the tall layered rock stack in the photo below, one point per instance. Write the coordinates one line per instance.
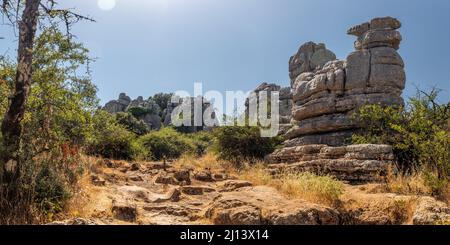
(327, 92)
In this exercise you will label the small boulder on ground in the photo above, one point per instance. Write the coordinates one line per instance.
(136, 178)
(135, 167)
(97, 180)
(76, 221)
(231, 185)
(429, 211)
(173, 195)
(183, 176)
(204, 176)
(124, 211)
(166, 179)
(196, 190)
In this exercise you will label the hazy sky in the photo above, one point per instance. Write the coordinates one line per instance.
(150, 46)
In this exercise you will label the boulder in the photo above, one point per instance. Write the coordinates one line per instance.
(76, 222)
(183, 176)
(124, 211)
(166, 179)
(429, 211)
(205, 176)
(266, 206)
(354, 163)
(97, 180)
(232, 185)
(196, 190)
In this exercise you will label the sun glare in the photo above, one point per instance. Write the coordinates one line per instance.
(106, 5)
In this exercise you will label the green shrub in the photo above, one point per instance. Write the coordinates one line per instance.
(138, 112)
(110, 139)
(134, 125)
(419, 134)
(52, 191)
(240, 144)
(202, 141)
(166, 143)
(162, 100)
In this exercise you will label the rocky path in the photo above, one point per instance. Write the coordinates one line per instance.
(150, 194)
(124, 193)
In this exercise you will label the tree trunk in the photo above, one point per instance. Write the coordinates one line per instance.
(11, 127)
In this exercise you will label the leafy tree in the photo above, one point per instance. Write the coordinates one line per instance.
(34, 12)
(63, 97)
(27, 16)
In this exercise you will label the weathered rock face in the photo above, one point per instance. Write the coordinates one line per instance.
(326, 92)
(265, 206)
(150, 112)
(119, 105)
(206, 105)
(354, 163)
(285, 103)
(308, 58)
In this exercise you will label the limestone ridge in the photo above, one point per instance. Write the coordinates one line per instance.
(153, 115)
(326, 92)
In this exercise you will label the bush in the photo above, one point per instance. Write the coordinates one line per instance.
(419, 134)
(162, 100)
(51, 191)
(202, 141)
(134, 125)
(239, 144)
(166, 143)
(110, 139)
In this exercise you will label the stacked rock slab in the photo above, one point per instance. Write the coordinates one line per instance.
(327, 92)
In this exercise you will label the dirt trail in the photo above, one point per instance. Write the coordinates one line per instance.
(155, 194)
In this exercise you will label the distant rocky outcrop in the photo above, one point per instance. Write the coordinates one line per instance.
(145, 110)
(285, 102)
(206, 105)
(152, 114)
(326, 92)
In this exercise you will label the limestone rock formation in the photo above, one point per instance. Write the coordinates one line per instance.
(119, 105)
(146, 110)
(263, 205)
(207, 107)
(285, 103)
(355, 163)
(326, 92)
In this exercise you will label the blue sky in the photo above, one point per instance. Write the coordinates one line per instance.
(149, 46)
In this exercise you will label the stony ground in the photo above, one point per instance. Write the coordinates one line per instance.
(155, 194)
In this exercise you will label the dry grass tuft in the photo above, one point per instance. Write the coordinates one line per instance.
(412, 184)
(208, 161)
(318, 189)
